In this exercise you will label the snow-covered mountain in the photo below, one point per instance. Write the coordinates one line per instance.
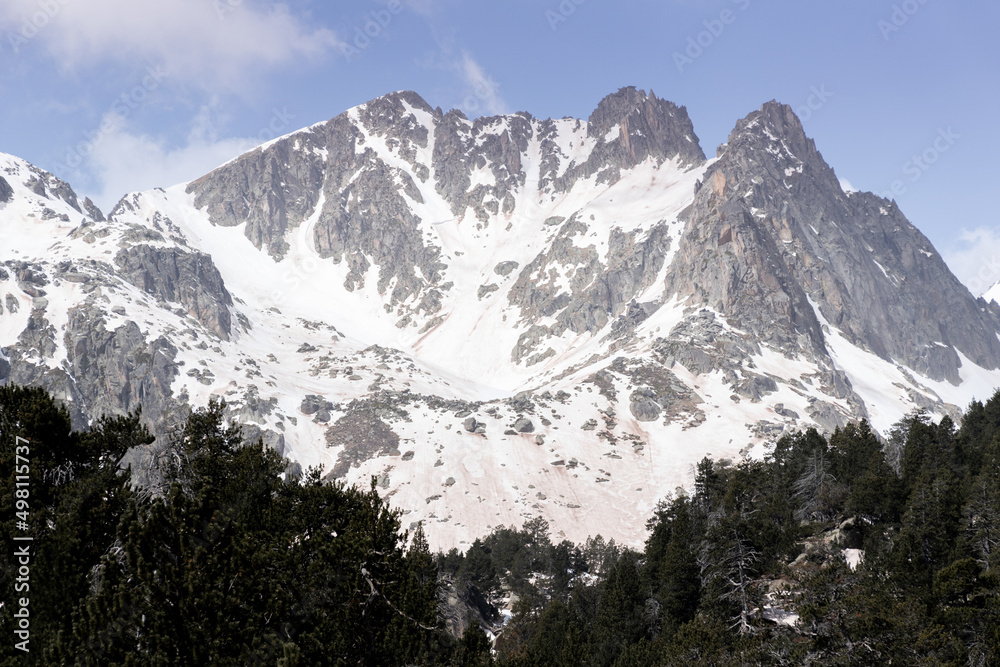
(500, 318)
(993, 293)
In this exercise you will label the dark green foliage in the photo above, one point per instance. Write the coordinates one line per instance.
(231, 565)
(760, 538)
(671, 573)
(473, 649)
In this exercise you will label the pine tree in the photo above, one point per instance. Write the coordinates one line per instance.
(620, 618)
(473, 649)
(816, 489)
(671, 568)
(929, 530)
(981, 518)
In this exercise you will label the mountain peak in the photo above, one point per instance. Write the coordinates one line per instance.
(31, 181)
(612, 108)
(663, 127)
(774, 126)
(395, 100)
(510, 310)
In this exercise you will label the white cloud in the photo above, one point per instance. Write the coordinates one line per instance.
(846, 186)
(122, 160)
(213, 43)
(482, 94)
(975, 258)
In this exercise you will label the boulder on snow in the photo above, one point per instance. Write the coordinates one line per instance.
(505, 268)
(645, 409)
(473, 426)
(524, 425)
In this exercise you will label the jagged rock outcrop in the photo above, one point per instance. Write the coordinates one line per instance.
(461, 605)
(631, 127)
(105, 371)
(190, 279)
(772, 230)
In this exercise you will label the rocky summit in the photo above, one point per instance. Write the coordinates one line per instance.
(499, 318)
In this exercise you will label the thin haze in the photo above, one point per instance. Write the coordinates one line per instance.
(900, 95)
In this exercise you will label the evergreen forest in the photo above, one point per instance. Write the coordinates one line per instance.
(841, 549)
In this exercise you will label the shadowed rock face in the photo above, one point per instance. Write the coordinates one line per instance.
(769, 233)
(363, 207)
(106, 372)
(645, 127)
(188, 278)
(6, 192)
(771, 229)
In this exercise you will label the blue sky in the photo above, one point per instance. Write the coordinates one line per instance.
(119, 95)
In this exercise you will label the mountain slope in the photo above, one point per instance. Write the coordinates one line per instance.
(499, 318)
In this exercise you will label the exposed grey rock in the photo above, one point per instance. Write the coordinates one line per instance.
(6, 192)
(597, 293)
(253, 434)
(755, 387)
(363, 436)
(105, 372)
(188, 278)
(250, 407)
(48, 186)
(644, 409)
(92, 210)
(826, 415)
(461, 604)
(524, 425)
(272, 191)
(313, 404)
(780, 409)
(505, 268)
(473, 426)
(772, 229)
(771, 257)
(645, 127)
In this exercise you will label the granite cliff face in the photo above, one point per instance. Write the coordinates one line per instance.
(496, 318)
(779, 240)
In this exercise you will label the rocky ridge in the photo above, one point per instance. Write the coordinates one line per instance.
(496, 318)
